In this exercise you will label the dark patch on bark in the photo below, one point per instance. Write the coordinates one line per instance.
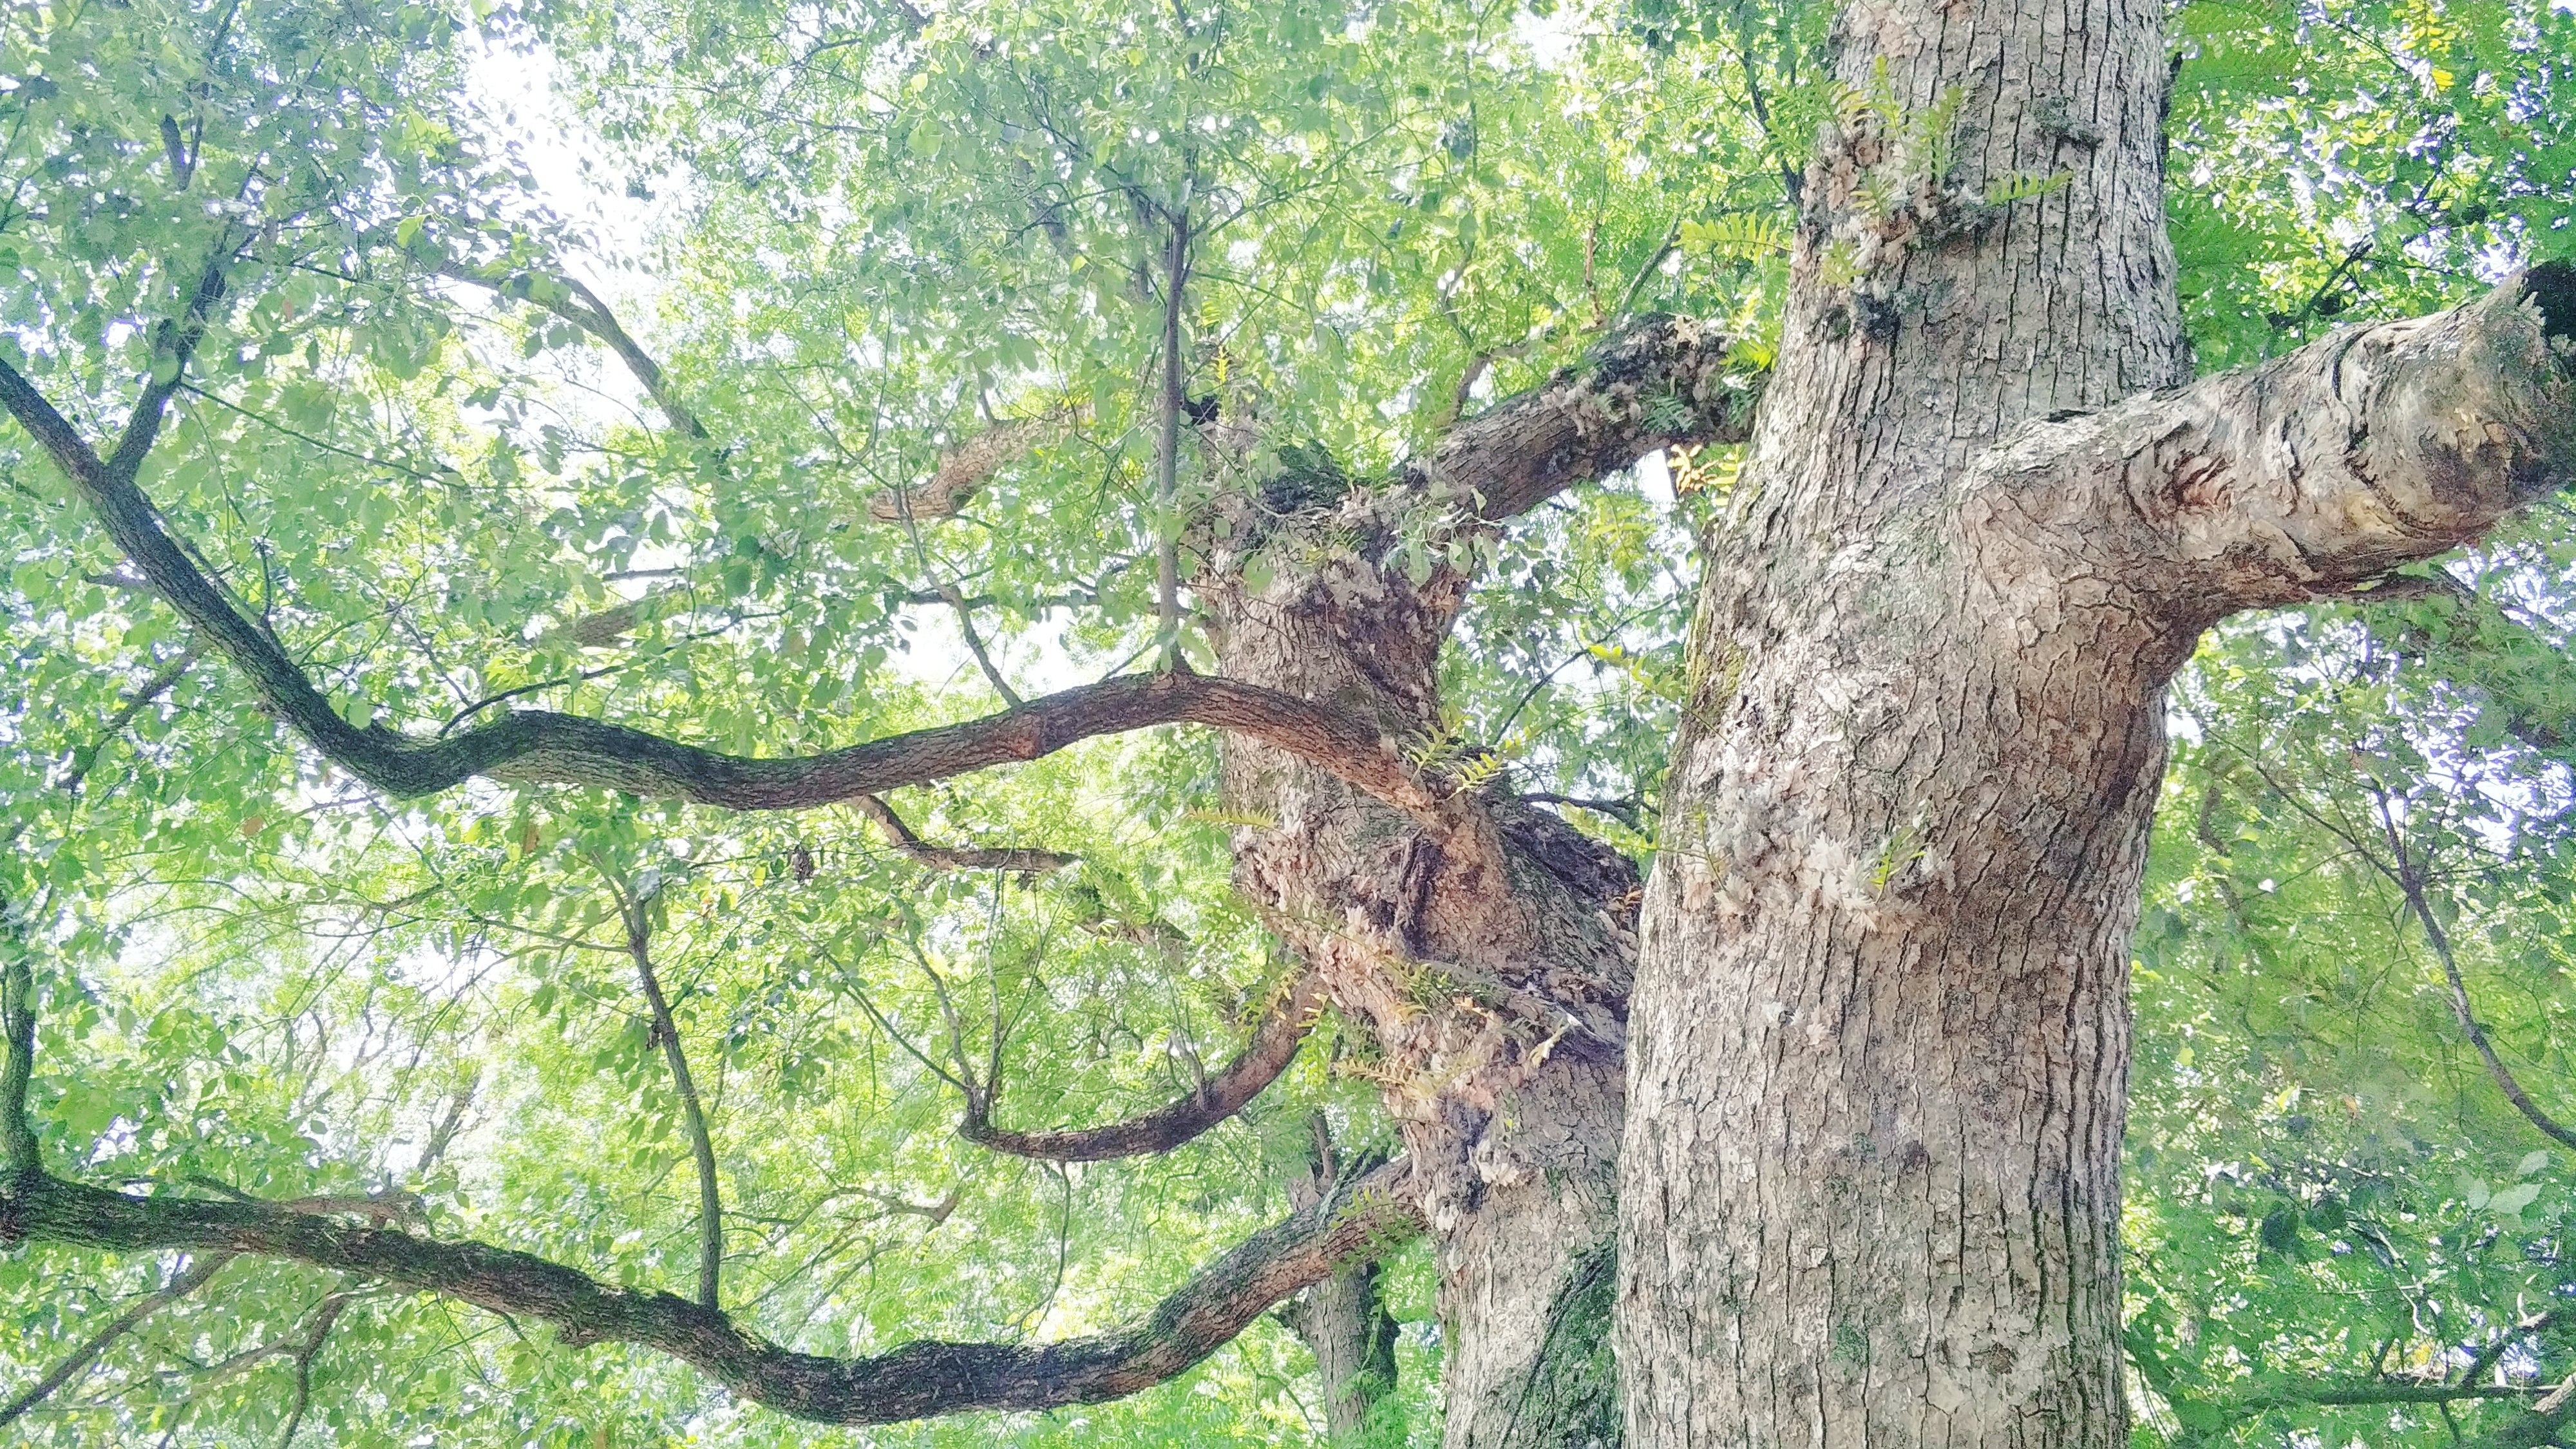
(2553, 286)
(1571, 1398)
(1587, 867)
(1308, 480)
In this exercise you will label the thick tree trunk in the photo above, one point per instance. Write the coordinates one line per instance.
(1870, 1182)
(1486, 958)
(1878, 1074)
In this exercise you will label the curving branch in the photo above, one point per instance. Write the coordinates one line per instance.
(966, 467)
(316, 1333)
(2410, 878)
(542, 747)
(915, 1381)
(1018, 860)
(1274, 1045)
(2312, 475)
(1655, 383)
(666, 1031)
(567, 298)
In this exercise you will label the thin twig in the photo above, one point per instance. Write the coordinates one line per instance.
(2411, 881)
(1020, 860)
(79, 1360)
(85, 758)
(975, 646)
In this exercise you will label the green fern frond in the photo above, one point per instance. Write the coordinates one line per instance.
(2023, 185)
(1736, 237)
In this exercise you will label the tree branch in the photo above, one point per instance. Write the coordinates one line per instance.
(2410, 880)
(1283, 1029)
(915, 1381)
(316, 1334)
(541, 747)
(2344, 1395)
(78, 1361)
(965, 468)
(2314, 473)
(2517, 674)
(1018, 860)
(582, 307)
(174, 343)
(1655, 383)
(666, 1029)
(85, 758)
(18, 1033)
(1167, 462)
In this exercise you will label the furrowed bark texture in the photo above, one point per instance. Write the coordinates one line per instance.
(1486, 947)
(1490, 971)
(1870, 1183)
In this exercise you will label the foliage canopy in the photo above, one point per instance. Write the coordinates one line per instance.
(841, 420)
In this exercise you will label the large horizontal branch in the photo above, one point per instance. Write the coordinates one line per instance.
(2315, 473)
(1659, 382)
(1274, 1045)
(915, 1381)
(542, 747)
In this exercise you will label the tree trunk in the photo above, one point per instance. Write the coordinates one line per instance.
(1341, 1319)
(1879, 1073)
(1870, 1180)
(1485, 959)
(1346, 1326)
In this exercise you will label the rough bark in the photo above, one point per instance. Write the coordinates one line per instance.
(1484, 948)
(1484, 945)
(1488, 965)
(1344, 1323)
(1870, 1185)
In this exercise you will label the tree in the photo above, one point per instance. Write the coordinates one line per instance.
(1253, 345)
